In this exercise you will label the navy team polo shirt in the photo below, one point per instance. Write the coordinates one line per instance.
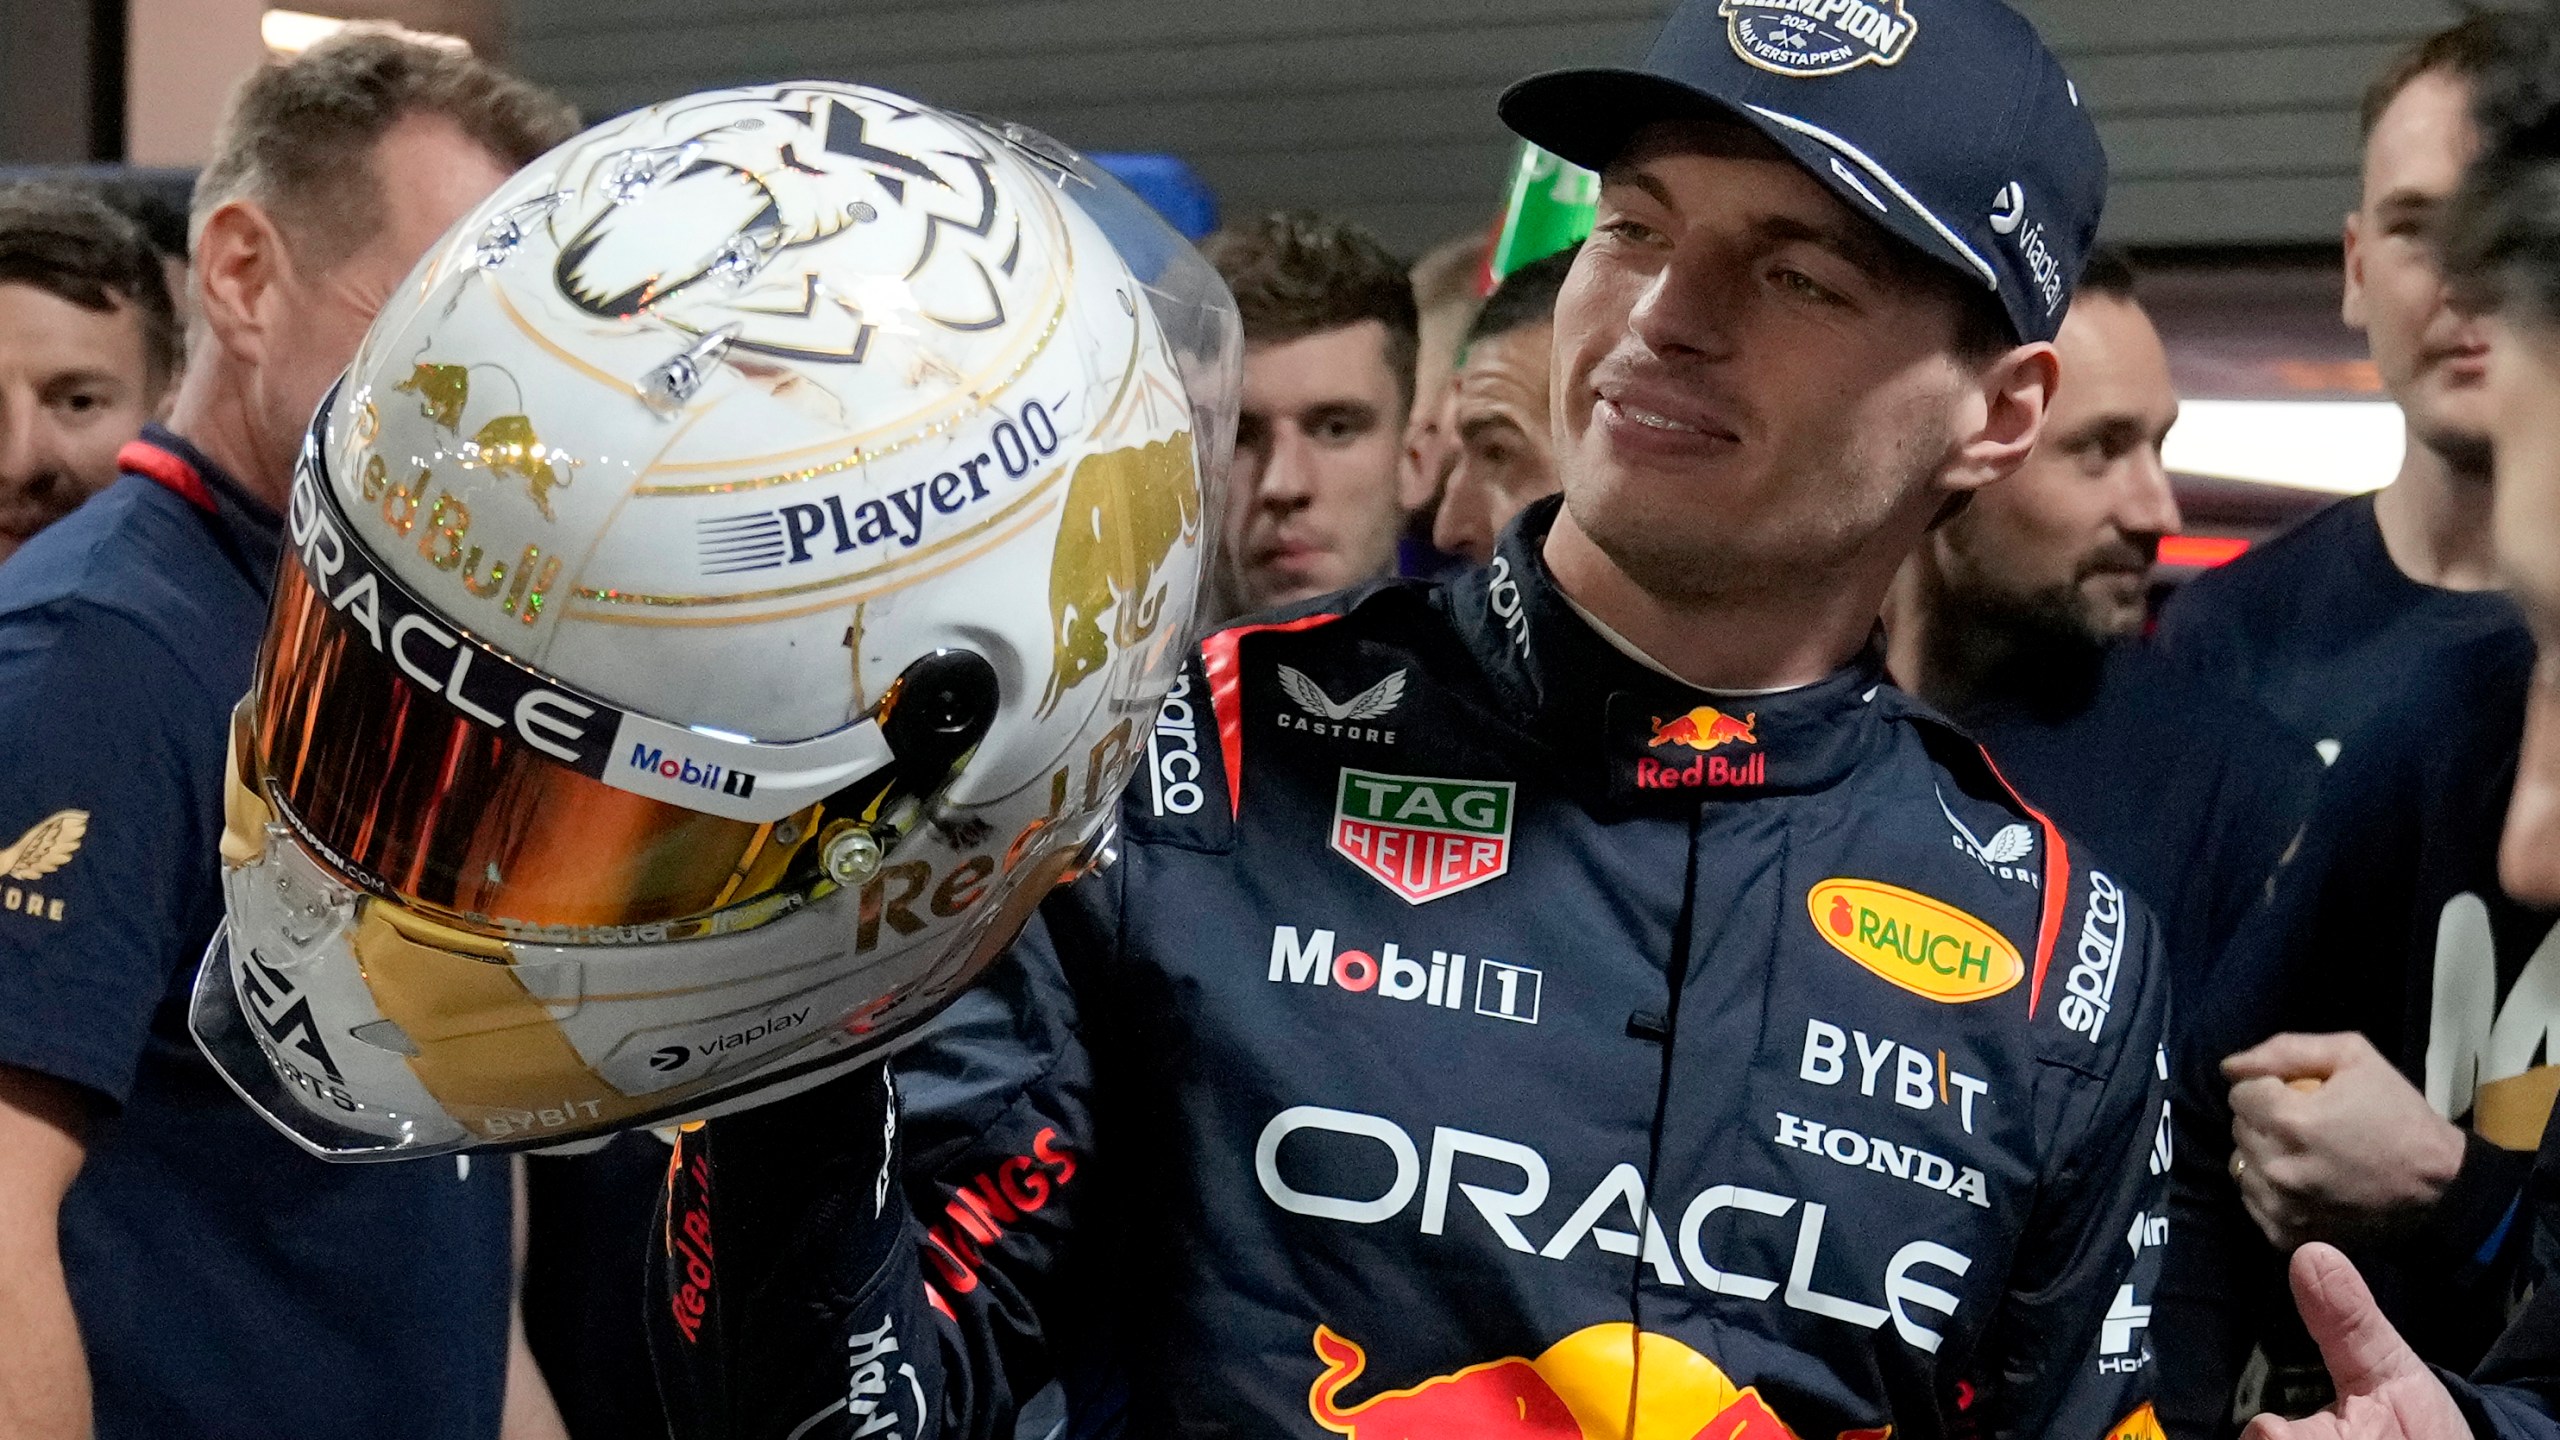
(226, 1283)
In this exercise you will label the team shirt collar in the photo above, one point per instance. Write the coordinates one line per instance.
(1626, 728)
(250, 529)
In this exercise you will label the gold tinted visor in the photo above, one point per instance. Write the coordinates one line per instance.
(473, 823)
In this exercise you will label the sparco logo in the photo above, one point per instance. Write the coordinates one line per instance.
(1818, 37)
(2092, 982)
(1308, 1154)
(1173, 753)
(795, 534)
(1502, 593)
(681, 770)
(1503, 990)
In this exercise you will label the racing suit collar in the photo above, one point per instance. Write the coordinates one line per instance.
(1625, 729)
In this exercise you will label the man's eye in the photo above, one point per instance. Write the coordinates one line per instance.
(82, 403)
(1336, 430)
(1797, 282)
(1635, 232)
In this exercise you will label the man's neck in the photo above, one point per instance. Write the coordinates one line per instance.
(2435, 522)
(1767, 639)
(211, 411)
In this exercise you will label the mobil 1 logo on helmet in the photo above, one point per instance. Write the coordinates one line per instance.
(1423, 838)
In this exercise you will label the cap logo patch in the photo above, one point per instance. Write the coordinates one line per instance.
(1818, 37)
(2008, 208)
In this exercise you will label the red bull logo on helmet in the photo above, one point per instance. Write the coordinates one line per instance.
(1584, 1386)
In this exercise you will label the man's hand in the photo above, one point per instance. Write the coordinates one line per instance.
(2385, 1392)
(2329, 1142)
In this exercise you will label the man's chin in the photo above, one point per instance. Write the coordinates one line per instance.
(1271, 588)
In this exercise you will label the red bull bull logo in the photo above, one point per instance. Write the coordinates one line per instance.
(1702, 729)
(1583, 1386)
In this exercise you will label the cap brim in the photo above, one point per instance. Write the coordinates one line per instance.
(1588, 117)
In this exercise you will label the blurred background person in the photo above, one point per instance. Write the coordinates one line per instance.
(2316, 623)
(1320, 489)
(163, 222)
(2358, 1077)
(2021, 618)
(2503, 260)
(88, 349)
(1498, 412)
(178, 1267)
(1447, 293)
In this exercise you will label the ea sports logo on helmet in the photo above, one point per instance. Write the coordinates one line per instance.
(1805, 38)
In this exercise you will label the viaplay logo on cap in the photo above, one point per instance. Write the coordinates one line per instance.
(1818, 37)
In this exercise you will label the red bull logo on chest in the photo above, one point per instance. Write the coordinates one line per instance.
(1423, 838)
(1702, 729)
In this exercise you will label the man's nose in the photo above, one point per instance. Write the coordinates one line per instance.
(2147, 504)
(1288, 472)
(26, 448)
(1689, 306)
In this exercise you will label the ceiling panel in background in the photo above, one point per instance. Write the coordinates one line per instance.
(2229, 124)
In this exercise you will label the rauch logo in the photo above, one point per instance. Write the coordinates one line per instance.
(1926, 946)
(1420, 837)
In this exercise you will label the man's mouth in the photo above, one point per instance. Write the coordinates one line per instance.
(1652, 419)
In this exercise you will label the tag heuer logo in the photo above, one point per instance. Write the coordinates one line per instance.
(1818, 37)
(1423, 838)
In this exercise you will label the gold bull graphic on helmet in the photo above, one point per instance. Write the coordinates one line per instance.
(506, 445)
(1125, 511)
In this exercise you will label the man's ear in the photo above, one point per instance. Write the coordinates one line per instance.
(241, 267)
(2351, 308)
(2003, 416)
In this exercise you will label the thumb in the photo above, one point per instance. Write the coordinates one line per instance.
(2363, 1352)
(2289, 1056)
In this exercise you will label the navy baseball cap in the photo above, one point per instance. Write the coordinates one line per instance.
(1947, 122)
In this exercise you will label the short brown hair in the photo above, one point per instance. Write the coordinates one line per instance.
(1296, 274)
(299, 135)
(72, 245)
(2473, 47)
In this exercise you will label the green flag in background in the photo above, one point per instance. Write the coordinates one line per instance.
(1550, 207)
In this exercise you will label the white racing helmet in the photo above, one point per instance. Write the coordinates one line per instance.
(726, 593)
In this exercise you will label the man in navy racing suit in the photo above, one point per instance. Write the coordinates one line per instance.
(1561, 1002)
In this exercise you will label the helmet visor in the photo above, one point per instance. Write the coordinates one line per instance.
(436, 771)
